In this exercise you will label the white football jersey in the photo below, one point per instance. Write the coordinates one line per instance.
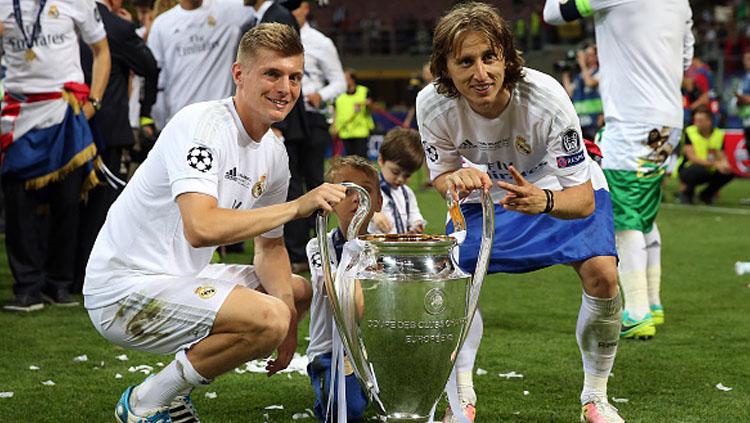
(538, 133)
(57, 57)
(195, 50)
(204, 149)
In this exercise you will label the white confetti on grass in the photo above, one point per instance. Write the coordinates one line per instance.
(525, 393)
(160, 364)
(143, 368)
(48, 383)
(211, 395)
(720, 386)
(6, 394)
(122, 357)
(33, 367)
(81, 358)
(299, 416)
(297, 365)
(118, 376)
(481, 372)
(512, 374)
(275, 407)
(620, 400)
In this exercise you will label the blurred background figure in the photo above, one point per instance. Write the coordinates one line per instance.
(703, 160)
(581, 80)
(353, 120)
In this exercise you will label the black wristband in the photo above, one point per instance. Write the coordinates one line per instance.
(550, 201)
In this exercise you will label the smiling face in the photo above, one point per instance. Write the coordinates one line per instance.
(268, 85)
(477, 70)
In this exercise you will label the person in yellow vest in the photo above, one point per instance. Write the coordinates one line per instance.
(353, 120)
(703, 160)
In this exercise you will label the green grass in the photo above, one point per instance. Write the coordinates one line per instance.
(529, 328)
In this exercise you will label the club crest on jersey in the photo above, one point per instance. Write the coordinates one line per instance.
(53, 12)
(211, 21)
(259, 187)
(523, 146)
(571, 142)
(205, 292)
(200, 159)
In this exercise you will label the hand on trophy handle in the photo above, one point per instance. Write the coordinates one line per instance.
(463, 181)
(323, 197)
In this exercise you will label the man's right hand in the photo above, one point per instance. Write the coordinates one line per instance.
(323, 197)
(463, 181)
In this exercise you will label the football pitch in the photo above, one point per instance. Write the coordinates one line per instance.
(682, 375)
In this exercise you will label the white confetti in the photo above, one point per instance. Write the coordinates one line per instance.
(307, 338)
(517, 413)
(122, 357)
(48, 383)
(298, 364)
(6, 394)
(81, 358)
(511, 374)
(275, 407)
(118, 376)
(526, 392)
(720, 386)
(160, 364)
(33, 367)
(620, 400)
(299, 416)
(211, 395)
(265, 416)
(143, 368)
(481, 372)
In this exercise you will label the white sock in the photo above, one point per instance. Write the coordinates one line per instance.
(158, 391)
(597, 333)
(631, 248)
(465, 361)
(653, 268)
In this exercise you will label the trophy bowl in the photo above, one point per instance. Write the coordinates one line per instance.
(402, 307)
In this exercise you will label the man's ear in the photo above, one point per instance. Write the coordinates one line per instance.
(237, 73)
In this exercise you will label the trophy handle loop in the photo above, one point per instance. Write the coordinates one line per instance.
(362, 209)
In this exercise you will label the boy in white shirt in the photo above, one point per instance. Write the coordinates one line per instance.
(359, 171)
(401, 154)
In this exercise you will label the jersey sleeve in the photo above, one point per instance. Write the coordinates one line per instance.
(442, 156)
(566, 152)
(558, 12)
(89, 21)
(276, 190)
(316, 264)
(192, 155)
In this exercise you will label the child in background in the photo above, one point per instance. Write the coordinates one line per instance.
(401, 154)
(361, 172)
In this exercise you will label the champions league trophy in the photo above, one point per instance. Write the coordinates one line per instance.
(403, 308)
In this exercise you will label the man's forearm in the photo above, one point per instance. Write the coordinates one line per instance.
(271, 264)
(574, 202)
(100, 69)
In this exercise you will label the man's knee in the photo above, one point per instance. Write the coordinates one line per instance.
(599, 277)
(267, 326)
(302, 290)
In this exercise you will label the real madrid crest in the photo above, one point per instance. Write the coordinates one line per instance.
(205, 292)
(259, 187)
(53, 12)
(211, 21)
(522, 145)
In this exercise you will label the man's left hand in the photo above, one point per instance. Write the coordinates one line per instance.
(285, 352)
(522, 196)
(314, 99)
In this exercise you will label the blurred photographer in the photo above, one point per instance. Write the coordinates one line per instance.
(583, 88)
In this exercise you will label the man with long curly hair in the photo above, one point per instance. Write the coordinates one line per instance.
(488, 123)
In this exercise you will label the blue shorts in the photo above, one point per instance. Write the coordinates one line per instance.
(524, 243)
(319, 371)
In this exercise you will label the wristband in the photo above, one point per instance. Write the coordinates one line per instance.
(550, 201)
(96, 104)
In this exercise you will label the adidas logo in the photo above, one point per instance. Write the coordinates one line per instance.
(466, 145)
(231, 174)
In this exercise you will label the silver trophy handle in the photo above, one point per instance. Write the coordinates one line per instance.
(321, 227)
(488, 235)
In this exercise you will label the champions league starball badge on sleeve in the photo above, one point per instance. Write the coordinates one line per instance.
(403, 308)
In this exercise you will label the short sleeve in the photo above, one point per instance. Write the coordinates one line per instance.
(315, 262)
(192, 155)
(567, 154)
(88, 20)
(442, 156)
